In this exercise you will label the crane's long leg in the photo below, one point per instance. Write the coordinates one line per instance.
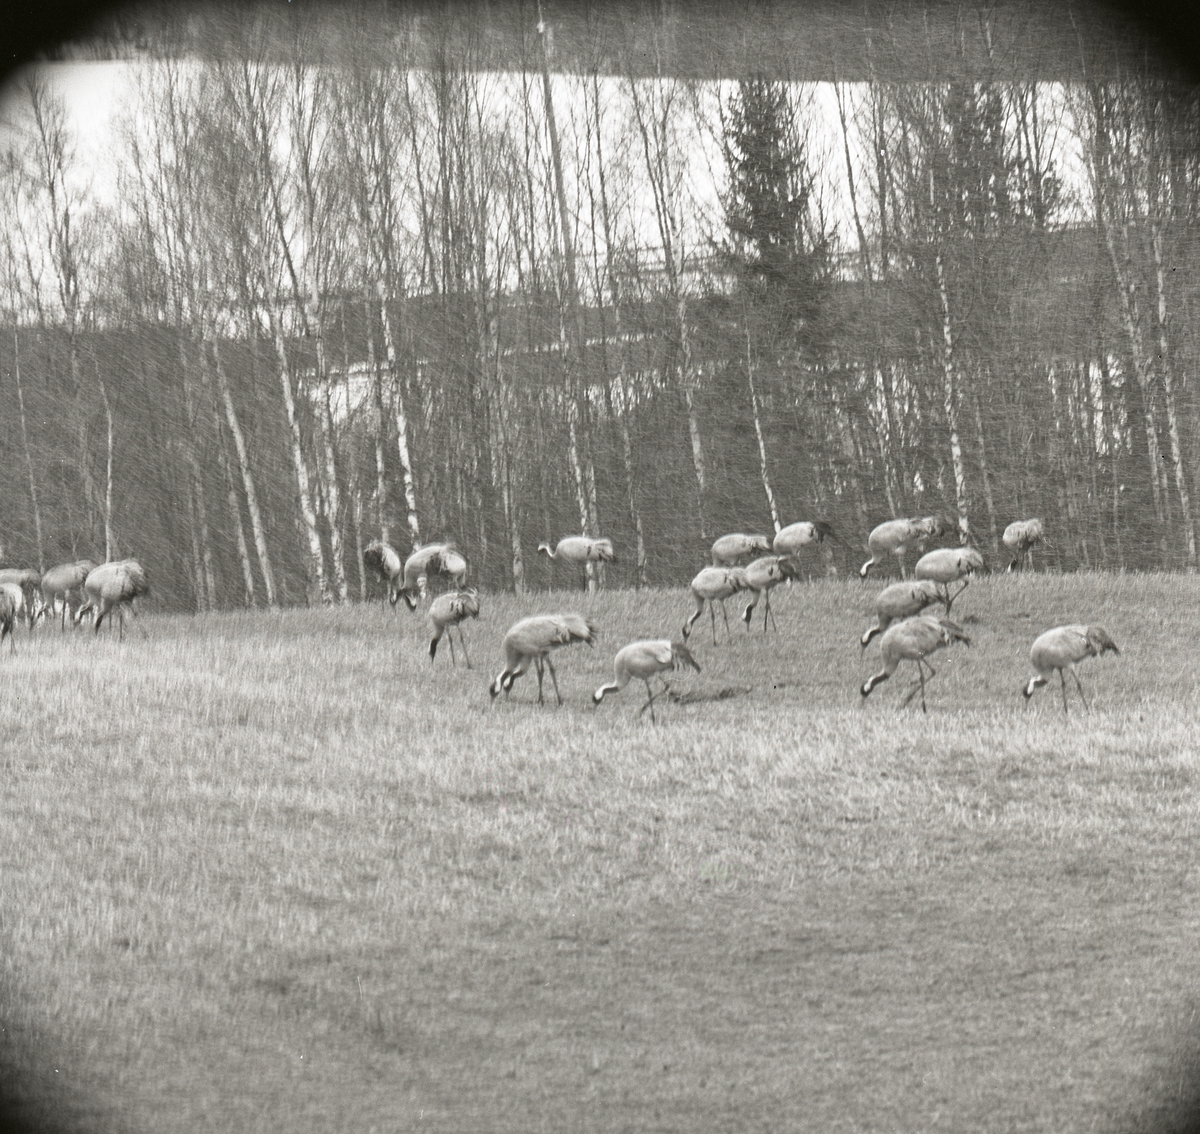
(540, 673)
(1062, 677)
(650, 703)
(450, 639)
(724, 615)
(712, 611)
(748, 613)
(920, 685)
(554, 678)
(463, 643)
(1082, 696)
(951, 597)
(769, 613)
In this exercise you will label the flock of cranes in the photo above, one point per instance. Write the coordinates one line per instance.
(907, 631)
(79, 588)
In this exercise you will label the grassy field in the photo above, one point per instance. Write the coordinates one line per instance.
(277, 872)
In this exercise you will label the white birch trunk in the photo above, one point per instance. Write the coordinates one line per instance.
(333, 500)
(410, 487)
(318, 586)
(1131, 322)
(257, 527)
(1189, 527)
(758, 433)
(235, 516)
(951, 403)
(381, 519)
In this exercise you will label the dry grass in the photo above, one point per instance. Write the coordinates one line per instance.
(278, 872)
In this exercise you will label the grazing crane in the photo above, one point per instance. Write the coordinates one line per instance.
(1060, 649)
(450, 610)
(643, 660)
(531, 640)
(900, 600)
(896, 537)
(791, 539)
(581, 550)
(114, 585)
(948, 565)
(11, 598)
(384, 560)
(64, 583)
(915, 639)
(424, 562)
(762, 576)
(714, 584)
(1019, 537)
(730, 549)
(27, 580)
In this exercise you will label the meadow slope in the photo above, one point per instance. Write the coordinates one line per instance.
(278, 872)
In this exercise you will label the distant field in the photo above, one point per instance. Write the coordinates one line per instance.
(277, 872)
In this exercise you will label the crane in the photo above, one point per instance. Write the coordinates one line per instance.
(915, 639)
(1061, 649)
(61, 584)
(448, 611)
(582, 551)
(948, 565)
(426, 562)
(10, 602)
(643, 660)
(532, 640)
(898, 601)
(27, 579)
(792, 538)
(761, 577)
(1019, 537)
(895, 537)
(114, 586)
(384, 560)
(729, 549)
(714, 584)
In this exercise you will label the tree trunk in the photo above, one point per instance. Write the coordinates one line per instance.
(235, 515)
(984, 474)
(1165, 368)
(318, 587)
(108, 481)
(381, 515)
(332, 493)
(951, 404)
(410, 487)
(33, 497)
(248, 486)
(758, 433)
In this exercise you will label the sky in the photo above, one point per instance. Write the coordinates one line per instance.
(98, 93)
